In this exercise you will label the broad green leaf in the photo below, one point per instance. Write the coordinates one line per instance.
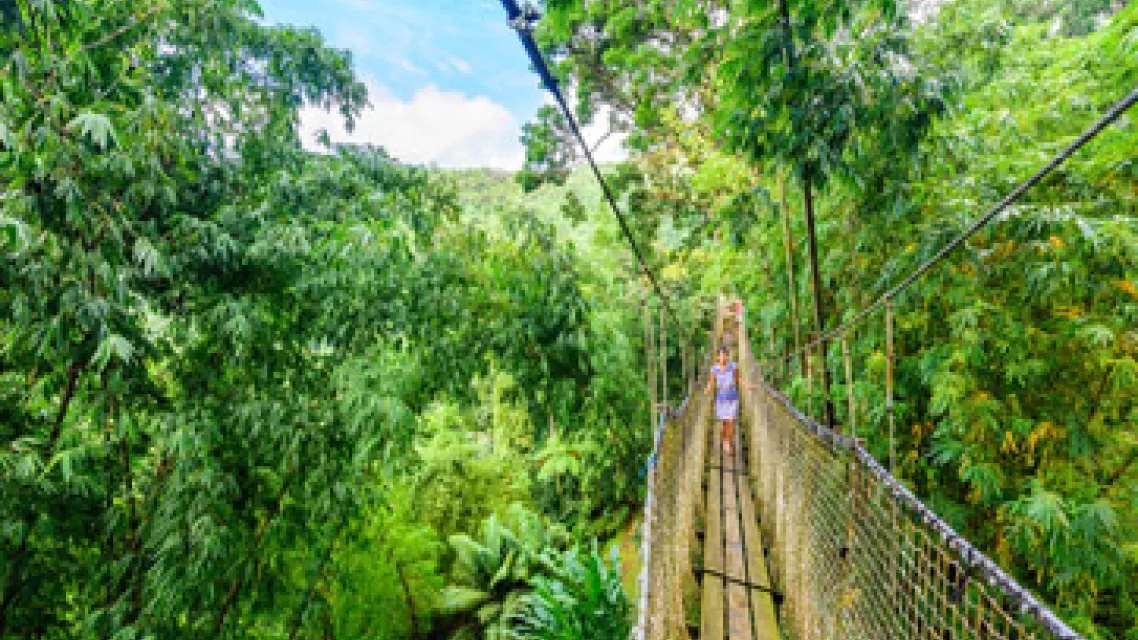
(96, 127)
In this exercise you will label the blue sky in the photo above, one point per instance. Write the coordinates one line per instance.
(463, 45)
(449, 82)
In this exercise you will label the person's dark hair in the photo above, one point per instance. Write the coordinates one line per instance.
(723, 350)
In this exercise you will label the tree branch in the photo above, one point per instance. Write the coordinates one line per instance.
(65, 403)
(601, 141)
(12, 588)
(299, 620)
(134, 22)
(235, 587)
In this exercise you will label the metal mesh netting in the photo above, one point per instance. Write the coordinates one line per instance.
(857, 555)
(667, 581)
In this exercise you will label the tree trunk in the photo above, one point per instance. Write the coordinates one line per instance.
(816, 283)
(790, 270)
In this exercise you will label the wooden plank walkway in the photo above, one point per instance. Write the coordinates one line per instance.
(733, 552)
(711, 616)
(762, 602)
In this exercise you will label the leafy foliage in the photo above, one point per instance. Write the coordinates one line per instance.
(584, 600)
(225, 362)
(495, 572)
(1016, 357)
(249, 391)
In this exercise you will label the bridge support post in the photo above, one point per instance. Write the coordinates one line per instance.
(684, 367)
(650, 362)
(810, 377)
(889, 357)
(847, 360)
(663, 359)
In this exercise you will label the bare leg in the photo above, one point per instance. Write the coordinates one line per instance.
(728, 434)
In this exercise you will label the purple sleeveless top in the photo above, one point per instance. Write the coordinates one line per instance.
(725, 382)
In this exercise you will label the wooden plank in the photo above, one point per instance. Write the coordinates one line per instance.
(711, 614)
(766, 622)
(739, 609)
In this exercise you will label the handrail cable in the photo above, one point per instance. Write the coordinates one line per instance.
(1113, 114)
(522, 22)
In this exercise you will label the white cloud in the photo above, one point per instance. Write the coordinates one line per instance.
(446, 128)
(435, 126)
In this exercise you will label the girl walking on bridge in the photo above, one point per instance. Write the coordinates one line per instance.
(725, 378)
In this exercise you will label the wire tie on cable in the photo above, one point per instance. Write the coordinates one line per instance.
(962, 580)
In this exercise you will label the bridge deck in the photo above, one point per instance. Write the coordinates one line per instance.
(733, 552)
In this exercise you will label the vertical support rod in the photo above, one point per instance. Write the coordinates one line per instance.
(684, 367)
(693, 372)
(787, 368)
(693, 360)
(810, 379)
(693, 367)
(650, 360)
(889, 363)
(689, 367)
(816, 285)
(663, 360)
(852, 418)
(643, 628)
(773, 353)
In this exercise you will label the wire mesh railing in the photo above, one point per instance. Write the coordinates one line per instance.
(667, 580)
(855, 552)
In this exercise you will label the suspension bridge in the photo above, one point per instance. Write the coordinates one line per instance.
(799, 532)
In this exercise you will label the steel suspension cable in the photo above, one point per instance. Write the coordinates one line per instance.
(522, 22)
(1111, 116)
